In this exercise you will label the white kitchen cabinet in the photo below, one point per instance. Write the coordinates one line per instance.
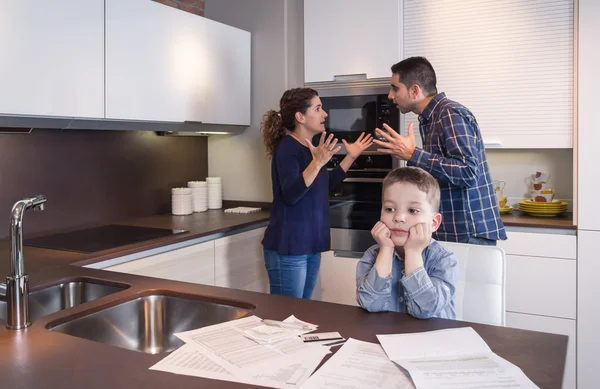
(164, 64)
(588, 181)
(52, 61)
(155, 62)
(588, 310)
(194, 264)
(239, 262)
(541, 286)
(228, 65)
(344, 37)
(554, 326)
(337, 279)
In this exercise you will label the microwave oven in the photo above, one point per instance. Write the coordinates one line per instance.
(353, 110)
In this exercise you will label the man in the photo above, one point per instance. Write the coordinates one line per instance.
(452, 152)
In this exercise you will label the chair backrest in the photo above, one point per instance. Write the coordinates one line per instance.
(480, 292)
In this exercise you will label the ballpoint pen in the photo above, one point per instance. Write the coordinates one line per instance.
(295, 326)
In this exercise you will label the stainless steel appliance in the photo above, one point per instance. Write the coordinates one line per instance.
(355, 204)
(357, 106)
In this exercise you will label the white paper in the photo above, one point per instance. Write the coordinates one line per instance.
(359, 365)
(453, 358)
(189, 360)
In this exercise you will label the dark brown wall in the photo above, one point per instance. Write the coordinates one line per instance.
(94, 177)
(193, 6)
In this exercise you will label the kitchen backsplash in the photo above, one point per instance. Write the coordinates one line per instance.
(94, 177)
(515, 166)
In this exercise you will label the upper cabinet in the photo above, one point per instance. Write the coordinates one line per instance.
(228, 64)
(52, 58)
(343, 37)
(163, 64)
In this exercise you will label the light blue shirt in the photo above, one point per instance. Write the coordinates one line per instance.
(428, 292)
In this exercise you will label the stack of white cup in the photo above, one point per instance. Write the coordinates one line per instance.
(199, 195)
(181, 201)
(215, 192)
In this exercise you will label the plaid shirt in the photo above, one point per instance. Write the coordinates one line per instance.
(453, 152)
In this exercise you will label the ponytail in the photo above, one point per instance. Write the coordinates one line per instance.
(272, 130)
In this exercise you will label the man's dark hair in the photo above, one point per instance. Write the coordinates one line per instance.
(417, 70)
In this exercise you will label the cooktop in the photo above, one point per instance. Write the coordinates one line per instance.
(92, 240)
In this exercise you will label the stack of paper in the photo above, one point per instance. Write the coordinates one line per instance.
(225, 352)
(454, 359)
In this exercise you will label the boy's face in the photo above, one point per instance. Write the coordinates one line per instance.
(404, 206)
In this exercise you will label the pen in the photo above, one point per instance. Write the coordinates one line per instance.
(278, 323)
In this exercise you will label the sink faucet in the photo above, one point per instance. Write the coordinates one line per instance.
(17, 282)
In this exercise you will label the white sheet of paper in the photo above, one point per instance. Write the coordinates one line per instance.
(455, 358)
(359, 365)
(189, 360)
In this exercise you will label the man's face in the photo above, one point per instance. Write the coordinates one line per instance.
(400, 95)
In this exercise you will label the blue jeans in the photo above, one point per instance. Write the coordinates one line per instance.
(481, 241)
(292, 275)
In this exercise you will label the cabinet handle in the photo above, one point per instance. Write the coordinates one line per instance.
(492, 145)
(350, 77)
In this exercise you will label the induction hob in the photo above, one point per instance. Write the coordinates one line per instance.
(92, 240)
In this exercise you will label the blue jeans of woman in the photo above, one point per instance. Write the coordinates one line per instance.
(292, 275)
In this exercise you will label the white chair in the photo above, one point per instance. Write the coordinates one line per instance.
(480, 292)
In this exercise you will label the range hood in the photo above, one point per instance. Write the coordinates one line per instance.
(187, 128)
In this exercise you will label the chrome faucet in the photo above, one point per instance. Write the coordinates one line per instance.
(17, 282)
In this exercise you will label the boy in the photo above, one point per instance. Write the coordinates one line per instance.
(407, 270)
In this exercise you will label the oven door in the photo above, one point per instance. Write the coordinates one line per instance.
(355, 207)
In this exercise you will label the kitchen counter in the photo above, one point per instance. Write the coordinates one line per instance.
(519, 219)
(213, 223)
(39, 358)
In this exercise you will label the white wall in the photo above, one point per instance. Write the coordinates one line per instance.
(277, 64)
(514, 166)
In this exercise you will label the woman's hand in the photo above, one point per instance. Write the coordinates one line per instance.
(362, 143)
(324, 151)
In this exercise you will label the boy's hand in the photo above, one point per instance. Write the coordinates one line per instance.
(382, 235)
(419, 237)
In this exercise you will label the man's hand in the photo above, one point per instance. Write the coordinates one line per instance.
(399, 146)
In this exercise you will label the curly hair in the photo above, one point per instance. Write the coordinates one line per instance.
(275, 125)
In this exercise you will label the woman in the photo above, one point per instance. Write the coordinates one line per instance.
(298, 231)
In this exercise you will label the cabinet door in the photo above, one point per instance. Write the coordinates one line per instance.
(554, 326)
(337, 280)
(350, 37)
(194, 264)
(541, 286)
(52, 61)
(239, 262)
(588, 309)
(588, 217)
(155, 62)
(228, 63)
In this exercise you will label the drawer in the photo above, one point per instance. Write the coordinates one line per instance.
(540, 245)
(541, 286)
(554, 326)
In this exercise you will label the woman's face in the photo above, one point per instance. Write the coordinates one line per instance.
(314, 118)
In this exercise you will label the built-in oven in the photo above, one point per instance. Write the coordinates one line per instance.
(355, 204)
(355, 108)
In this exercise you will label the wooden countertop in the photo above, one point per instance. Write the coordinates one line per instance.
(519, 219)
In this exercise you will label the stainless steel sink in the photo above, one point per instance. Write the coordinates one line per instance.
(148, 324)
(55, 298)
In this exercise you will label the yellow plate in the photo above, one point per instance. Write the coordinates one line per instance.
(555, 203)
(542, 208)
(505, 209)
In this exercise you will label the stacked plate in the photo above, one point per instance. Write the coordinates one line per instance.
(199, 195)
(536, 208)
(181, 201)
(215, 192)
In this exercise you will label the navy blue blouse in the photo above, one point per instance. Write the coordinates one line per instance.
(299, 223)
